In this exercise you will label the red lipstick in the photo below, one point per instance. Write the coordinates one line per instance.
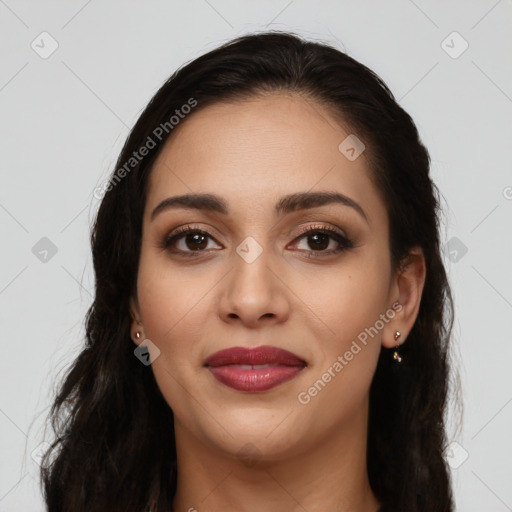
(254, 369)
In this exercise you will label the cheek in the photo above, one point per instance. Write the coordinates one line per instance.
(173, 309)
(348, 297)
(171, 312)
(349, 303)
(172, 299)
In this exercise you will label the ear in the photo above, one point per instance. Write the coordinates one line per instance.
(136, 325)
(406, 289)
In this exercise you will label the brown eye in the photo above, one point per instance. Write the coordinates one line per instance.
(187, 240)
(322, 241)
(196, 241)
(318, 241)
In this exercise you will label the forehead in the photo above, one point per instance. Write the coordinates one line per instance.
(260, 149)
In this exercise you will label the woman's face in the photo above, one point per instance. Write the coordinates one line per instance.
(254, 279)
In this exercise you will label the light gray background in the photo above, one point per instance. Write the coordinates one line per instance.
(65, 117)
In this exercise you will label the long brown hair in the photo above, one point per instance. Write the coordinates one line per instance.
(114, 446)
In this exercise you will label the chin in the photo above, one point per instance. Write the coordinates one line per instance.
(255, 436)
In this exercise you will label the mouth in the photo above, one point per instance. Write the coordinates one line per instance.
(254, 370)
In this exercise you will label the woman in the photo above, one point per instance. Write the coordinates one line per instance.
(272, 316)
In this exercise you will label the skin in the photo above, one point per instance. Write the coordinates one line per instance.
(304, 456)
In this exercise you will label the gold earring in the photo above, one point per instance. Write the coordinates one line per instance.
(396, 355)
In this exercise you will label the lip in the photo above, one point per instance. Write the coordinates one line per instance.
(234, 367)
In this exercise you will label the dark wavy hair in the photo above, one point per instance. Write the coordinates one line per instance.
(114, 446)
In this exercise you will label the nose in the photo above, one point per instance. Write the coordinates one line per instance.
(254, 294)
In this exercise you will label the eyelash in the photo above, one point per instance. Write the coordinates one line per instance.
(342, 240)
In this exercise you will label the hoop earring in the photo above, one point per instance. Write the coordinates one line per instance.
(396, 355)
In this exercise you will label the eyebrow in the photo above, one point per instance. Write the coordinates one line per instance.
(287, 204)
